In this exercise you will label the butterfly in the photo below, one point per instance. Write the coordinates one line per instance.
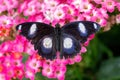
(67, 39)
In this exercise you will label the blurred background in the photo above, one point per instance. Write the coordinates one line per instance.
(100, 62)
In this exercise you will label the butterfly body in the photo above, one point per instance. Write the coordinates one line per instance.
(66, 40)
(57, 31)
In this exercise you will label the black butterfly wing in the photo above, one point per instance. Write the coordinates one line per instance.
(47, 47)
(79, 32)
(44, 40)
(36, 32)
(69, 46)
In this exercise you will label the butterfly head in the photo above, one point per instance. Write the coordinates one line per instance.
(57, 25)
(57, 29)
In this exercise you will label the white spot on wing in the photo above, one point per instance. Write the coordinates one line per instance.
(95, 25)
(47, 42)
(67, 43)
(32, 29)
(82, 28)
(19, 27)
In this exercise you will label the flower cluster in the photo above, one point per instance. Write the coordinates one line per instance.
(12, 64)
(13, 61)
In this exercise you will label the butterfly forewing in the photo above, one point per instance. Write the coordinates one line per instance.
(81, 30)
(46, 47)
(32, 29)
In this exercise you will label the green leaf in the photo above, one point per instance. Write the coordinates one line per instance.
(26, 17)
(25, 79)
(74, 72)
(95, 51)
(25, 57)
(39, 76)
(110, 70)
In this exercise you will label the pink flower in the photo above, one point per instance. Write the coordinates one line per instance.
(59, 14)
(9, 73)
(1, 56)
(30, 8)
(48, 16)
(50, 4)
(83, 50)
(100, 20)
(2, 6)
(29, 49)
(87, 43)
(109, 5)
(16, 55)
(7, 62)
(98, 1)
(38, 18)
(4, 31)
(64, 1)
(34, 64)
(77, 3)
(29, 73)
(99, 12)
(91, 36)
(20, 44)
(18, 63)
(5, 47)
(118, 5)
(118, 19)
(77, 58)
(70, 61)
(8, 5)
(60, 72)
(85, 7)
(103, 12)
(22, 7)
(69, 9)
(6, 21)
(48, 71)
(2, 76)
(1, 68)
(19, 72)
(97, 15)
(79, 18)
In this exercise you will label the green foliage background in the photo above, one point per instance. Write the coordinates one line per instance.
(100, 62)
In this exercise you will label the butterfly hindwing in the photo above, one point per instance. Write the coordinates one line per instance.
(69, 46)
(81, 30)
(46, 47)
